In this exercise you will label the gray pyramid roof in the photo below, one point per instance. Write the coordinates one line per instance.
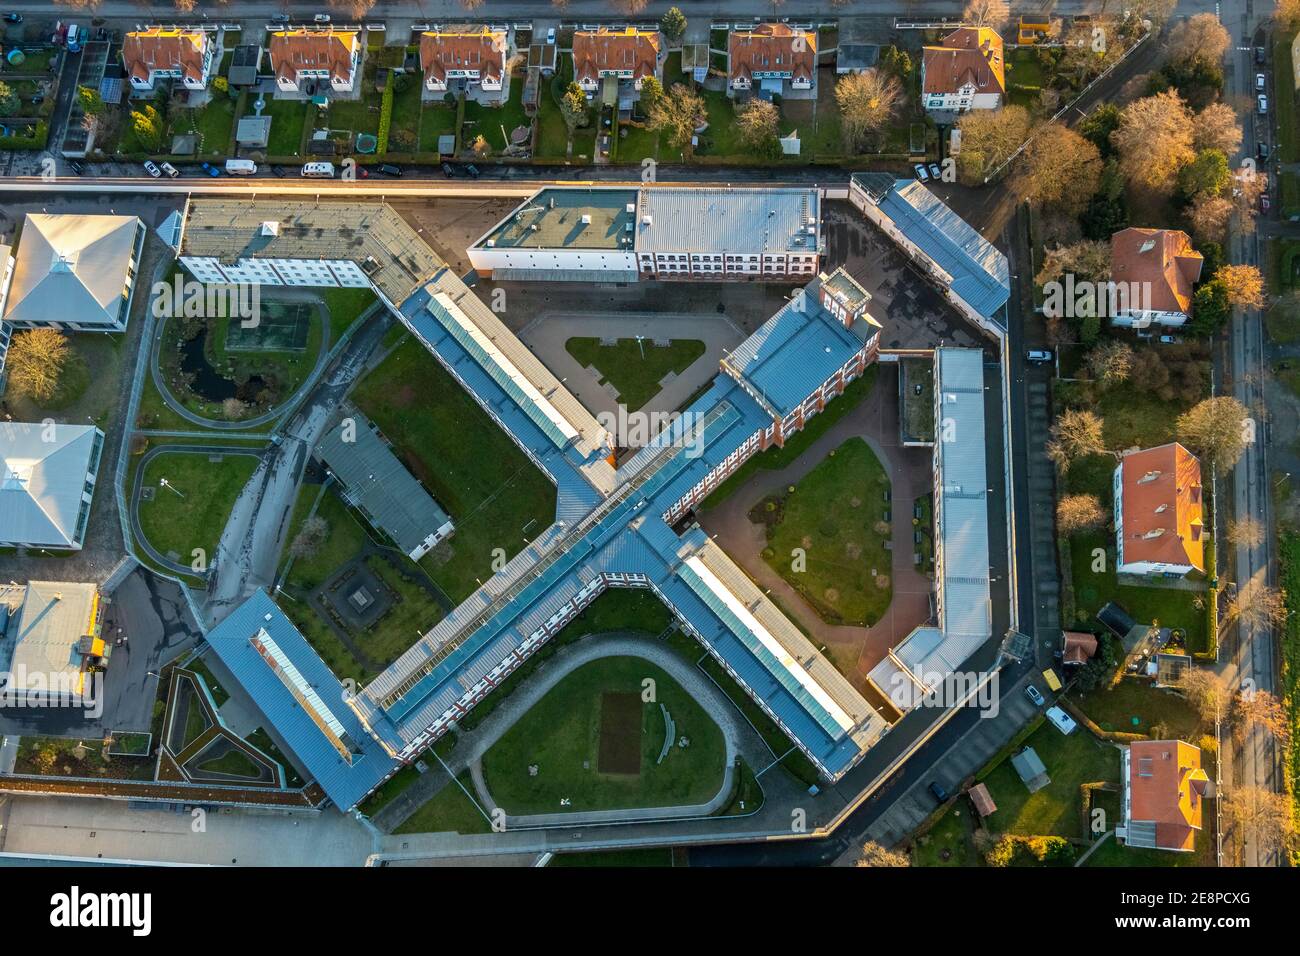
(42, 479)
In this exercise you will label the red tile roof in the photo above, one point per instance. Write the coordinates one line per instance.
(295, 50)
(1079, 646)
(772, 48)
(158, 49)
(472, 48)
(1161, 516)
(1166, 787)
(1163, 260)
(970, 55)
(597, 51)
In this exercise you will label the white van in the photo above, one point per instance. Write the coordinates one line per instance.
(1061, 720)
(240, 167)
(318, 170)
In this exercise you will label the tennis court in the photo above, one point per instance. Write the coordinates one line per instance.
(281, 327)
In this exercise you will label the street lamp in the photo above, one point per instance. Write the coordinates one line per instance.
(169, 486)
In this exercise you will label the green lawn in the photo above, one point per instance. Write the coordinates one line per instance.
(345, 538)
(234, 762)
(449, 810)
(635, 368)
(201, 669)
(436, 120)
(344, 307)
(496, 497)
(1056, 809)
(950, 841)
(1284, 109)
(774, 458)
(487, 121)
(213, 123)
(827, 537)
(194, 518)
(1114, 709)
(413, 613)
(289, 119)
(406, 115)
(561, 735)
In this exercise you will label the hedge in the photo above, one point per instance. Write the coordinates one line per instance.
(385, 118)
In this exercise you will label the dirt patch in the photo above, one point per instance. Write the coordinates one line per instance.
(405, 397)
(620, 734)
(852, 550)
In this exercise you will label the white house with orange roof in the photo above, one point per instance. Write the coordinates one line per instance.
(1159, 512)
(470, 58)
(965, 72)
(628, 55)
(1164, 795)
(327, 58)
(774, 58)
(156, 54)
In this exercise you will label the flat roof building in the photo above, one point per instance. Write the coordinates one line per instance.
(378, 485)
(51, 644)
(47, 483)
(74, 272)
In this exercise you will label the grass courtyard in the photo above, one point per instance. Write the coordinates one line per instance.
(450, 809)
(635, 368)
(496, 497)
(827, 537)
(596, 743)
(195, 513)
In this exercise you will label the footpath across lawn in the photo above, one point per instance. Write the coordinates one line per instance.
(635, 368)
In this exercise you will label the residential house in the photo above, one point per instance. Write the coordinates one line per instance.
(1159, 512)
(321, 58)
(1164, 795)
(626, 55)
(769, 57)
(1080, 647)
(1153, 271)
(169, 54)
(471, 57)
(965, 72)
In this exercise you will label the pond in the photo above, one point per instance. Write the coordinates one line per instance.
(209, 384)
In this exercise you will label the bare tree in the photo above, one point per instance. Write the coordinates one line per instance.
(1076, 513)
(1209, 215)
(867, 101)
(359, 8)
(1154, 140)
(36, 361)
(1061, 169)
(757, 124)
(1245, 532)
(233, 408)
(1198, 41)
(1287, 13)
(306, 543)
(1111, 362)
(1206, 692)
(1256, 606)
(631, 7)
(1216, 430)
(1087, 259)
(873, 854)
(1264, 711)
(1264, 813)
(994, 14)
(1217, 128)
(679, 113)
(988, 138)
(1075, 434)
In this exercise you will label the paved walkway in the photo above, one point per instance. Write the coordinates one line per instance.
(740, 738)
(855, 650)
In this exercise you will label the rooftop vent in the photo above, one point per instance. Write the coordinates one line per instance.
(269, 228)
(586, 220)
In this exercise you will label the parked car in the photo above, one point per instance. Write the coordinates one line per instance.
(550, 35)
(935, 172)
(1145, 335)
(211, 170)
(279, 18)
(152, 170)
(1038, 356)
(1170, 340)
(448, 170)
(13, 18)
(1261, 55)
(1261, 81)
(937, 791)
(472, 170)
(388, 169)
(921, 173)
(1261, 104)
(76, 167)
(38, 99)
(322, 18)
(1261, 149)
(170, 170)
(1035, 697)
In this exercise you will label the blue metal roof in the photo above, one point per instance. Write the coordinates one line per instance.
(345, 783)
(795, 351)
(980, 274)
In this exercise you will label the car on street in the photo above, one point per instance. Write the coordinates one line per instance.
(448, 170)
(921, 172)
(76, 167)
(935, 172)
(388, 169)
(322, 18)
(13, 18)
(1032, 693)
(152, 169)
(170, 170)
(1261, 55)
(1261, 149)
(1261, 81)
(279, 18)
(1038, 356)
(938, 791)
(1261, 104)
(212, 170)
(550, 35)
(472, 171)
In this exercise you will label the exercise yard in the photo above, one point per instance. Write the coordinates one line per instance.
(191, 511)
(595, 744)
(635, 368)
(496, 497)
(827, 537)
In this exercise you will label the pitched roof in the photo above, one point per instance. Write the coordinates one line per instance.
(295, 50)
(772, 48)
(600, 50)
(72, 266)
(1162, 260)
(983, 800)
(159, 49)
(42, 481)
(1161, 517)
(471, 48)
(1079, 646)
(1166, 784)
(970, 55)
